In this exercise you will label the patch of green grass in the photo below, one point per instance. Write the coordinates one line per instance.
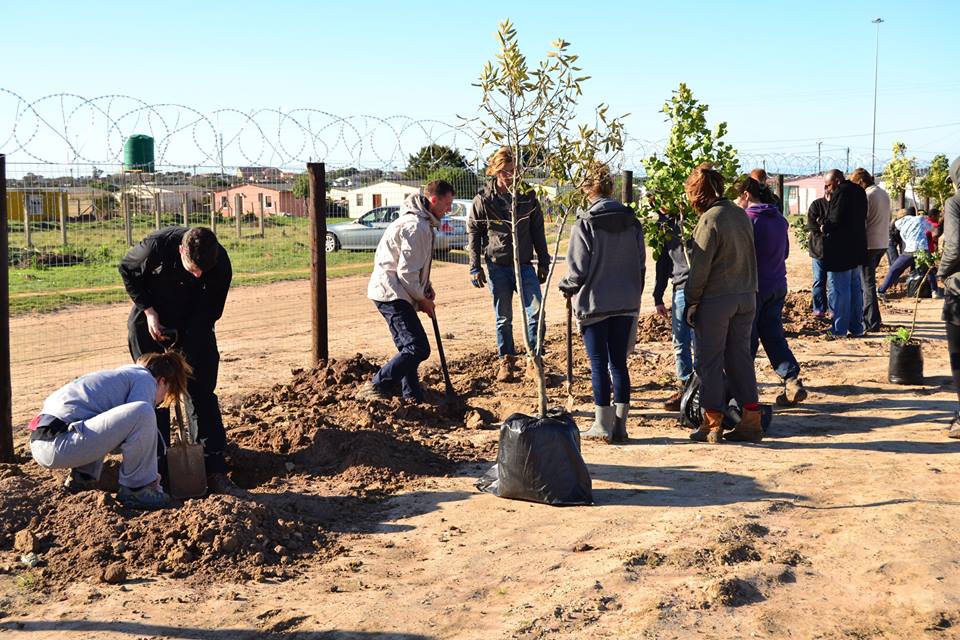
(282, 254)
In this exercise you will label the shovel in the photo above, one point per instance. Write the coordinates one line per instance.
(570, 399)
(188, 473)
(450, 393)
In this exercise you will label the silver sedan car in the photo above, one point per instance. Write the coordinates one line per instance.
(364, 233)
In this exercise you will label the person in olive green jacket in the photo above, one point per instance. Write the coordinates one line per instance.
(721, 296)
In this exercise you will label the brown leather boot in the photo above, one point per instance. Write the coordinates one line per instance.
(507, 369)
(748, 429)
(710, 428)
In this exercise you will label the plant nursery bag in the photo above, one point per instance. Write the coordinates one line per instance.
(539, 460)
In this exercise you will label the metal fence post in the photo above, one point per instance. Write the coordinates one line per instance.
(626, 189)
(63, 219)
(238, 213)
(6, 390)
(156, 210)
(316, 171)
(125, 209)
(260, 222)
(213, 211)
(186, 210)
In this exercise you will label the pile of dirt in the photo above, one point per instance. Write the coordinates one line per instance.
(313, 425)
(306, 453)
(652, 327)
(798, 318)
(219, 538)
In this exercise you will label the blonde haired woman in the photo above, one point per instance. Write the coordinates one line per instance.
(84, 420)
(491, 242)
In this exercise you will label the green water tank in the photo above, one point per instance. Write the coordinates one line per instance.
(138, 153)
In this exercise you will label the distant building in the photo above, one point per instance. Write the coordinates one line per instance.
(259, 174)
(381, 194)
(273, 199)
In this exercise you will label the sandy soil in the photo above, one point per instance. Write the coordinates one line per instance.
(842, 524)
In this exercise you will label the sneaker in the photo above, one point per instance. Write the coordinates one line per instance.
(370, 391)
(148, 498)
(954, 431)
(79, 481)
(221, 483)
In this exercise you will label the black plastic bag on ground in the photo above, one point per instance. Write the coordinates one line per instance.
(539, 460)
(691, 413)
(915, 280)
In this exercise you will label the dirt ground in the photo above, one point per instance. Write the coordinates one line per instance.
(841, 524)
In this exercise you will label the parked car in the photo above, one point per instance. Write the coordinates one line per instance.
(364, 233)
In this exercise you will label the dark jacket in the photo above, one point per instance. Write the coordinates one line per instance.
(949, 270)
(489, 229)
(154, 276)
(722, 261)
(816, 214)
(672, 264)
(605, 261)
(845, 228)
(771, 240)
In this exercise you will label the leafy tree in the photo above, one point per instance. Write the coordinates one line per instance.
(301, 186)
(465, 181)
(899, 172)
(691, 143)
(936, 184)
(434, 156)
(103, 185)
(532, 110)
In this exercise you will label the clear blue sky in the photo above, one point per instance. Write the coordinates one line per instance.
(784, 76)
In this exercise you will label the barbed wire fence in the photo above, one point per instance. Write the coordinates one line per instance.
(72, 212)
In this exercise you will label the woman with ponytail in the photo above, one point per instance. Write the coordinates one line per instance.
(101, 412)
(721, 302)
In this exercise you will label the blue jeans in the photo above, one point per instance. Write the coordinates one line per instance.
(819, 287)
(845, 293)
(768, 329)
(903, 262)
(502, 284)
(682, 337)
(606, 342)
(413, 347)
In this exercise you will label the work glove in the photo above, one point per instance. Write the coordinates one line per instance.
(478, 278)
(691, 315)
(543, 269)
(430, 293)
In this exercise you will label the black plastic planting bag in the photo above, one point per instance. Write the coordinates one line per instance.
(539, 460)
(691, 413)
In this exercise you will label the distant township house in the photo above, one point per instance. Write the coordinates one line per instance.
(800, 192)
(272, 199)
(385, 193)
(149, 197)
(259, 174)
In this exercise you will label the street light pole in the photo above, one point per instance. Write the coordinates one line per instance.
(876, 75)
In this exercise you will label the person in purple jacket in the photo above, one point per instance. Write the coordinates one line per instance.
(771, 238)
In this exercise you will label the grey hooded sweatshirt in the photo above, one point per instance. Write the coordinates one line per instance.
(949, 271)
(605, 262)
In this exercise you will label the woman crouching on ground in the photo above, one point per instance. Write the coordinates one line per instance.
(721, 303)
(605, 269)
(84, 420)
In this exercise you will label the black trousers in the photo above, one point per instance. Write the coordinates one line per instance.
(868, 277)
(199, 347)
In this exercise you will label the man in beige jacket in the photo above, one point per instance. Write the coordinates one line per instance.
(400, 286)
(878, 237)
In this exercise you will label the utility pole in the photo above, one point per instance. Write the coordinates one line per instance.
(848, 159)
(819, 170)
(876, 76)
